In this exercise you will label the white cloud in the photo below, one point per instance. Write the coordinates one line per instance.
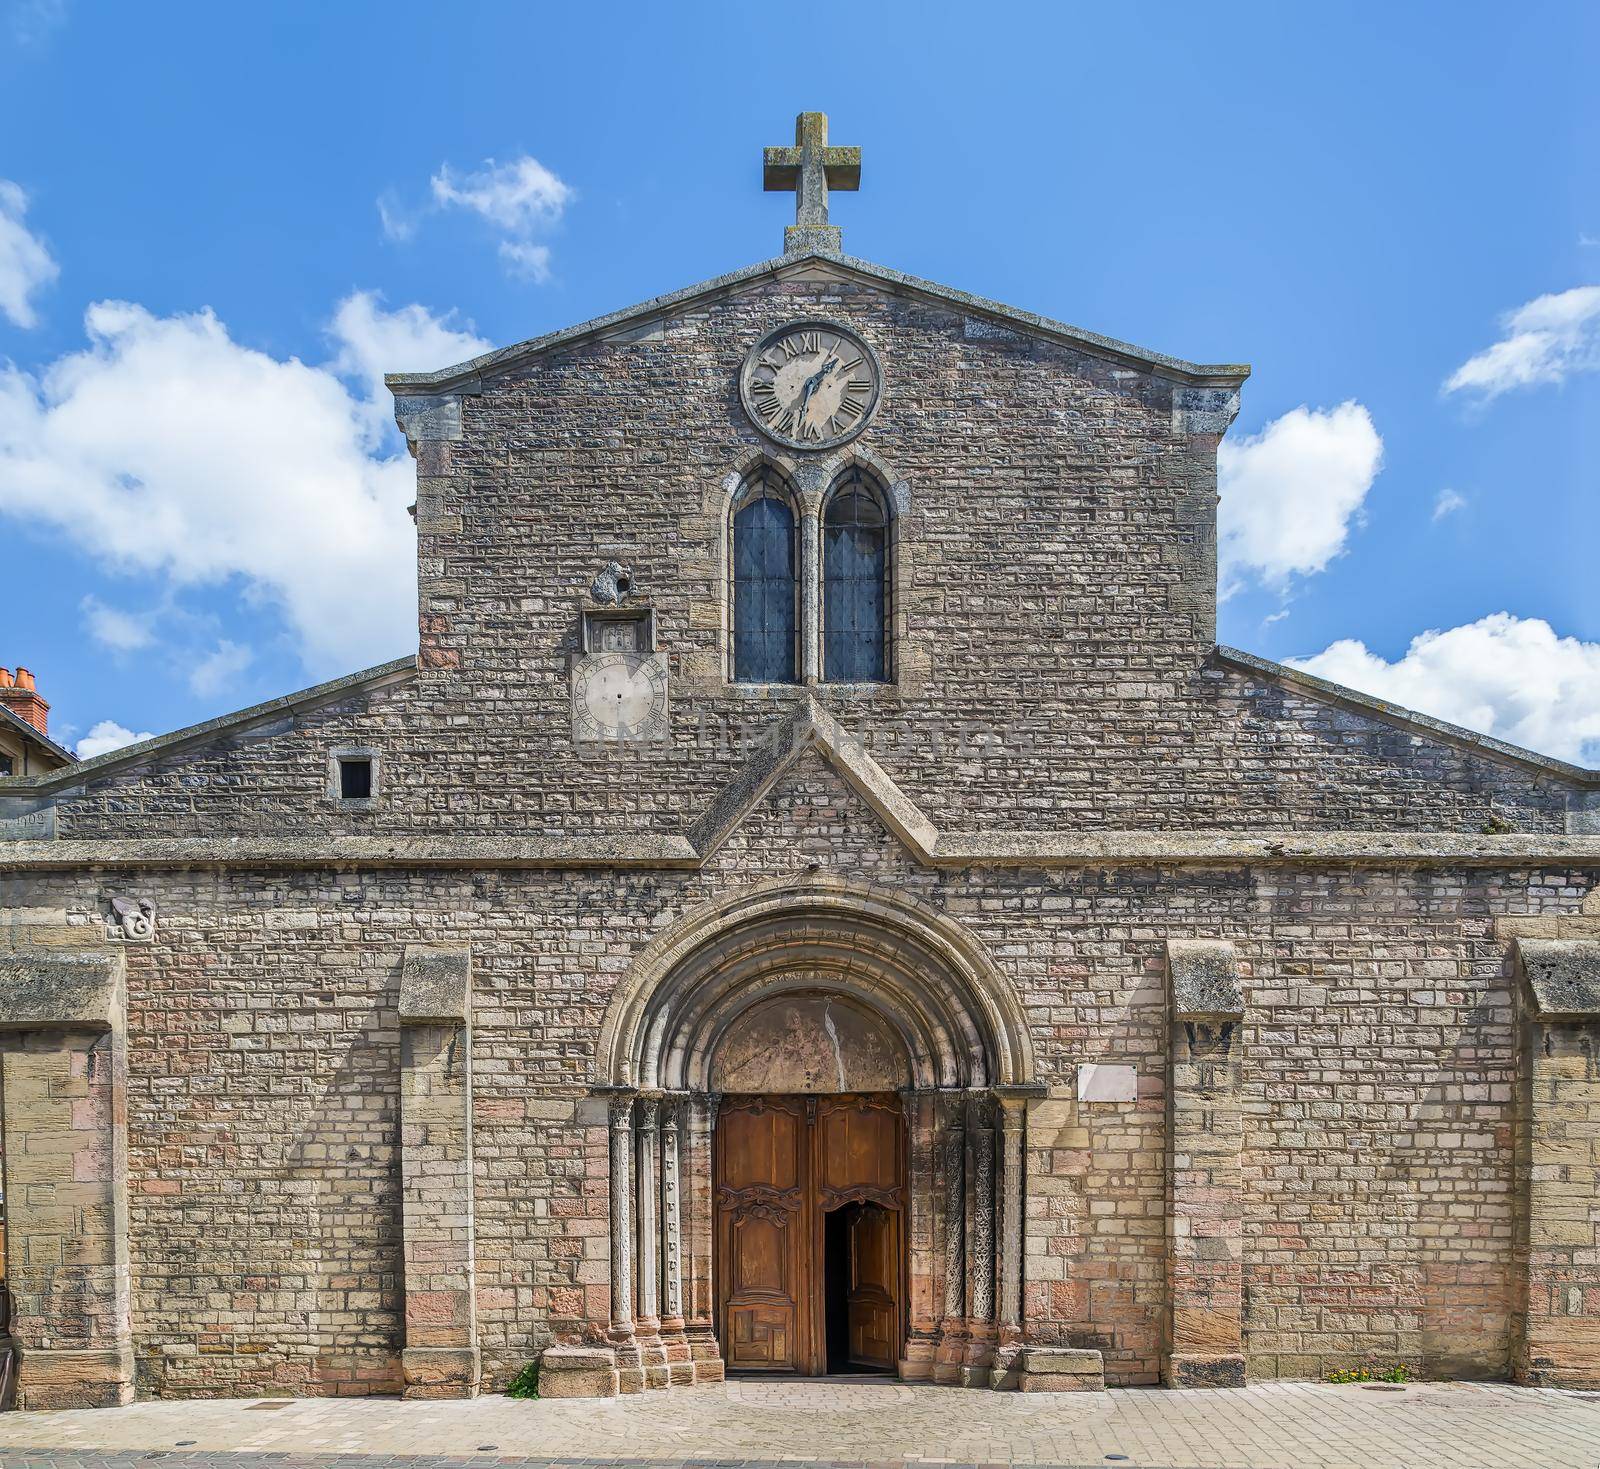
(1447, 503)
(398, 222)
(1290, 493)
(25, 265)
(219, 668)
(114, 628)
(372, 341)
(106, 736)
(531, 262)
(1506, 676)
(167, 448)
(522, 199)
(521, 196)
(33, 22)
(1544, 341)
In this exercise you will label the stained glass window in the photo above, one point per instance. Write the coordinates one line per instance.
(855, 582)
(764, 587)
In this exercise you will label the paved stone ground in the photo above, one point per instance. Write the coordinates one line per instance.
(1274, 1426)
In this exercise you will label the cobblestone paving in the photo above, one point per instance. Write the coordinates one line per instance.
(1274, 1426)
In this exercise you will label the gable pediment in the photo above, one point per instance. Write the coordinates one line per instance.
(986, 320)
(812, 729)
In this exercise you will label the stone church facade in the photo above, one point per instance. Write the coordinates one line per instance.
(818, 897)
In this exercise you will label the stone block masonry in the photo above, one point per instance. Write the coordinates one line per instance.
(441, 1358)
(1273, 1096)
(1557, 1258)
(63, 1114)
(1205, 1196)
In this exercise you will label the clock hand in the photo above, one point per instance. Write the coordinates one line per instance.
(812, 383)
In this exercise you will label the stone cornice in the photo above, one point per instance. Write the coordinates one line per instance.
(810, 728)
(1091, 850)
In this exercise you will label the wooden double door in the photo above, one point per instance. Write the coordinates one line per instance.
(810, 1225)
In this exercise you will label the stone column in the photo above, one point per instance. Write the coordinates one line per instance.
(630, 1376)
(922, 1230)
(63, 1083)
(980, 1243)
(953, 1326)
(810, 593)
(700, 1119)
(673, 1337)
(1556, 1257)
(1013, 1153)
(1205, 1129)
(647, 1186)
(441, 1357)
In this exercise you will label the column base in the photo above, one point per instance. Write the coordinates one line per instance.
(1201, 1369)
(1006, 1372)
(441, 1372)
(680, 1365)
(981, 1341)
(707, 1360)
(92, 1377)
(653, 1360)
(1061, 1369)
(922, 1352)
(951, 1356)
(1567, 1356)
(630, 1374)
(578, 1372)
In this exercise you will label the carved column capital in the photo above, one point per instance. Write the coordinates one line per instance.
(619, 1104)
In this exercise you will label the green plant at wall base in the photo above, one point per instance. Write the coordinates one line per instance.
(525, 1384)
(1398, 1373)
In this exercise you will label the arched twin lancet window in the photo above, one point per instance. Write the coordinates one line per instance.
(772, 582)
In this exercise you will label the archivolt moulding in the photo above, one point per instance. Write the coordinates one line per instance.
(921, 971)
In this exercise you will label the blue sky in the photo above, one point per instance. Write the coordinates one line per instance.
(203, 510)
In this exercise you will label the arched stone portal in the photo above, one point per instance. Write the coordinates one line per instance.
(824, 987)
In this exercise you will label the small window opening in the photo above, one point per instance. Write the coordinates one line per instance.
(6, 766)
(355, 778)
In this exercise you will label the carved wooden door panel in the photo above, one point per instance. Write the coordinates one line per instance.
(859, 1169)
(784, 1167)
(765, 1236)
(874, 1286)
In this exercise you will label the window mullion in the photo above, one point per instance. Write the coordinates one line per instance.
(810, 596)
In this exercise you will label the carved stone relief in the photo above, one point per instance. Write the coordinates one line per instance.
(810, 1044)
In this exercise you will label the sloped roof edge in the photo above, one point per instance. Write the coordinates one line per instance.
(21, 726)
(1397, 714)
(467, 376)
(811, 727)
(392, 672)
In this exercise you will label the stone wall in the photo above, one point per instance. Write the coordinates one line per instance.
(264, 1063)
(1056, 591)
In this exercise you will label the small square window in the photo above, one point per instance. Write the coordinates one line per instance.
(6, 767)
(355, 778)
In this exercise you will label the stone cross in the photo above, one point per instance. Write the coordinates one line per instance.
(811, 168)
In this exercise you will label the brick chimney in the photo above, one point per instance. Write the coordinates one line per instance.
(22, 699)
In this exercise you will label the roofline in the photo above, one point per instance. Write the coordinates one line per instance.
(468, 376)
(395, 671)
(22, 727)
(1404, 718)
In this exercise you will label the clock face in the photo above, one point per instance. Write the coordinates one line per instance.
(620, 696)
(810, 384)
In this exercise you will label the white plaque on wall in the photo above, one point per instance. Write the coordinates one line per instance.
(1099, 1082)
